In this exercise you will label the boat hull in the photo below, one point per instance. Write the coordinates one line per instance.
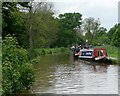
(105, 60)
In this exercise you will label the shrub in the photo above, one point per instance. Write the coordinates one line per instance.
(43, 51)
(116, 38)
(32, 53)
(62, 49)
(17, 74)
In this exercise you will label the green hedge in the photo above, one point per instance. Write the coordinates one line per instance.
(17, 71)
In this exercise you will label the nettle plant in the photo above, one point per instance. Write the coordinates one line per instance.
(17, 73)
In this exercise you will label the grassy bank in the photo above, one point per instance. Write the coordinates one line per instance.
(111, 51)
(42, 51)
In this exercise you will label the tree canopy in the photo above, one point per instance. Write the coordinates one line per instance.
(34, 25)
(67, 23)
(15, 22)
(70, 20)
(116, 38)
(90, 28)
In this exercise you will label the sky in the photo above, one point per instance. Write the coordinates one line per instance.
(105, 10)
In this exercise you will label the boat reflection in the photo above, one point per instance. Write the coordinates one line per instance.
(100, 68)
(96, 67)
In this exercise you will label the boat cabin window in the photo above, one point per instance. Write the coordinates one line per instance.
(99, 53)
(102, 53)
(86, 53)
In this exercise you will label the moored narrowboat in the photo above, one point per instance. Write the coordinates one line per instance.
(93, 54)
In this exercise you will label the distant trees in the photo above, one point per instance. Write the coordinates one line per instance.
(95, 34)
(90, 29)
(70, 20)
(101, 36)
(113, 35)
(116, 37)
(112, 31)
(67, 34)
(34, 26)
(44, 25)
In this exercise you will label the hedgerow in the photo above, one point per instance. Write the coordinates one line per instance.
(17, 70)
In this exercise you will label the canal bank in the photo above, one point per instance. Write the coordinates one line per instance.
(43, 51)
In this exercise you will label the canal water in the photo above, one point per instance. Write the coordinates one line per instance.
(61, 74)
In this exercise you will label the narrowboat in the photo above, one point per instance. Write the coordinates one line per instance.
(76, 52)
(76, 55)
(97, 54)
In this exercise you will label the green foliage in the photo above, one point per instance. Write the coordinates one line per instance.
(102, 40)
(112, 37)
(42, 51)
(14, 22)
(63, 49)
(80, 41)
(112, 31)
(67, 33)
(90, 28)
(18, 74)
(36, 60)
(95, 34)
(101, 31)
(70, 20)
(66, 37)
(101, 37)
(32, 53)
(45, 29)
(116, 38)
(44, 26)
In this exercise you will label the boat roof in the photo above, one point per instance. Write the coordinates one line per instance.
(99, 49)
(92, 49)
(86, 50)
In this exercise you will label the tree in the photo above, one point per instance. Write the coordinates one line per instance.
(0, 19)
(68, 23)
(101, 37)
(116, 38)
(32, 23)
(44, 25)
(112, 31)
(14, 22)
(30, 27)
(90, 27)
(80, 37)
(70, 20)
(101, 31)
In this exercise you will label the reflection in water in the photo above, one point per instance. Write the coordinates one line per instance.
(100, 68)
(61, 74)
